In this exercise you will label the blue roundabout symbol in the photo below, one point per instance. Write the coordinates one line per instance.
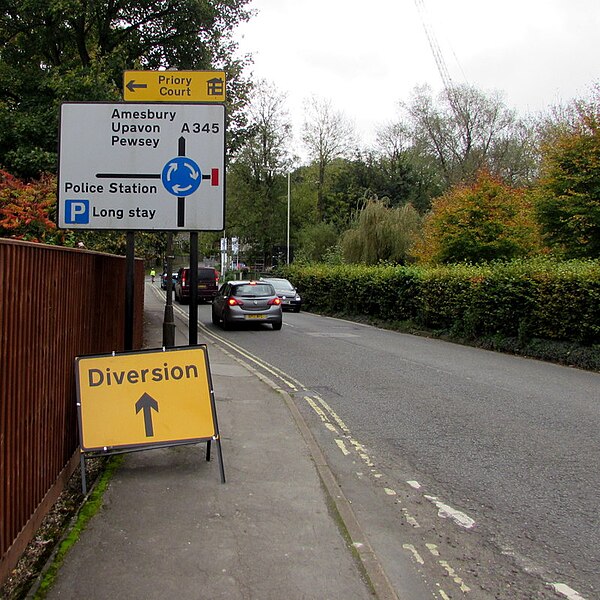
(181, 176)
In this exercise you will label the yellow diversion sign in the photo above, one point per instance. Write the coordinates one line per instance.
(174, 86)
(152, 398)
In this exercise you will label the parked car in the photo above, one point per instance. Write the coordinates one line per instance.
(207, 284)
(163, 280)
(290, 298)
(247, 302)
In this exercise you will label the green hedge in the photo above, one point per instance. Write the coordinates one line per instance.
(528, 299)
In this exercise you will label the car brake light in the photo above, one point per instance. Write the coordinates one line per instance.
(234, 302)
(274, 302)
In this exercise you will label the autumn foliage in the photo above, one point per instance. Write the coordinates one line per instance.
(485, 221)
(27, 210)
(569, 190)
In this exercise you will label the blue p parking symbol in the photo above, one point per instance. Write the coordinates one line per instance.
(77, 212)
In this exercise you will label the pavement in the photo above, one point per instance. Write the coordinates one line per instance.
(279, 528)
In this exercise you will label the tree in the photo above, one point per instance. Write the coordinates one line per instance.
(486, 220)
(568, 194)
(381, 234)
(52, 50)
(27, 210)
(327, 134)
(414, 173)
(257, 185)
(467, 131)
(316, 241)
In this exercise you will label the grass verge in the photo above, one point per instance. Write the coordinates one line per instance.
(90, 507)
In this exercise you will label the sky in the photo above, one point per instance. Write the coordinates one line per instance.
(367, 56)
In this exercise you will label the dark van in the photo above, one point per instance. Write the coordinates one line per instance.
(207, 285)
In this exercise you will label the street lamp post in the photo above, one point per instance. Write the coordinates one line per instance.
(169, 320)
(288, 217)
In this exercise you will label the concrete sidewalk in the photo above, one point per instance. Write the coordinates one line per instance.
(169, 528)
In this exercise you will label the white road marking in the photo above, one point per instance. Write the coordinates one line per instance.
(433, 549)
(414, 484)
(566, 591)
(389, 492)
(447, 512)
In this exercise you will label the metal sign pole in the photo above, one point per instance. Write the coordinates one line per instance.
(193, 318)
(169, 320)
(129, 290)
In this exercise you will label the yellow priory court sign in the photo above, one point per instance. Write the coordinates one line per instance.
(174, 86)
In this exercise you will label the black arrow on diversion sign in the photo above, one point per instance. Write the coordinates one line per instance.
(147, 403)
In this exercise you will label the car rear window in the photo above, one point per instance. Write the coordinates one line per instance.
(285, 286)
(260, 289)
(206, 275)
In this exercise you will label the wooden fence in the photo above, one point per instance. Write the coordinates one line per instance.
(55, 304)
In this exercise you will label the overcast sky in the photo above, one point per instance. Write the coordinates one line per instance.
(366, 56)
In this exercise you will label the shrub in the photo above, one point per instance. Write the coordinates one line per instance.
(524, 299)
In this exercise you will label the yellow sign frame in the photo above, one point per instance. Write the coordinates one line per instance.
(174, 86)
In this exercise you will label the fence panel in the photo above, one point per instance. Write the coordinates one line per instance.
(55, 303)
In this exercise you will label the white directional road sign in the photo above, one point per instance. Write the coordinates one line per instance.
(142, 166)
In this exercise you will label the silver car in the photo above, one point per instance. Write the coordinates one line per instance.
(247, 302)
(290, 298)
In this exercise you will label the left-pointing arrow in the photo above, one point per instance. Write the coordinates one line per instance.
(132, 85)
(147, 403)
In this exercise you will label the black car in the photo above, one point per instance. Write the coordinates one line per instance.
(290, 298)
(207, 284)
(247, 302)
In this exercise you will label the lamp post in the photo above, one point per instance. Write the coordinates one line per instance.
(288, 217)
(169, 320)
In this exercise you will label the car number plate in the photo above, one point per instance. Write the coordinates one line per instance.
(255, 317)
(202, 285)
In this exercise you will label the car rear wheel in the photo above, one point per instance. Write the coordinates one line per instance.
(225, 324)
(277, 326)
(215, 319)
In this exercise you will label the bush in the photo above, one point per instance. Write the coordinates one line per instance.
(522, 299)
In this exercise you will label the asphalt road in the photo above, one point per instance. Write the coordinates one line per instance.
(482, 467)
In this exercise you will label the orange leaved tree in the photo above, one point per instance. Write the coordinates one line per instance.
(476, 223)
(27, 210)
